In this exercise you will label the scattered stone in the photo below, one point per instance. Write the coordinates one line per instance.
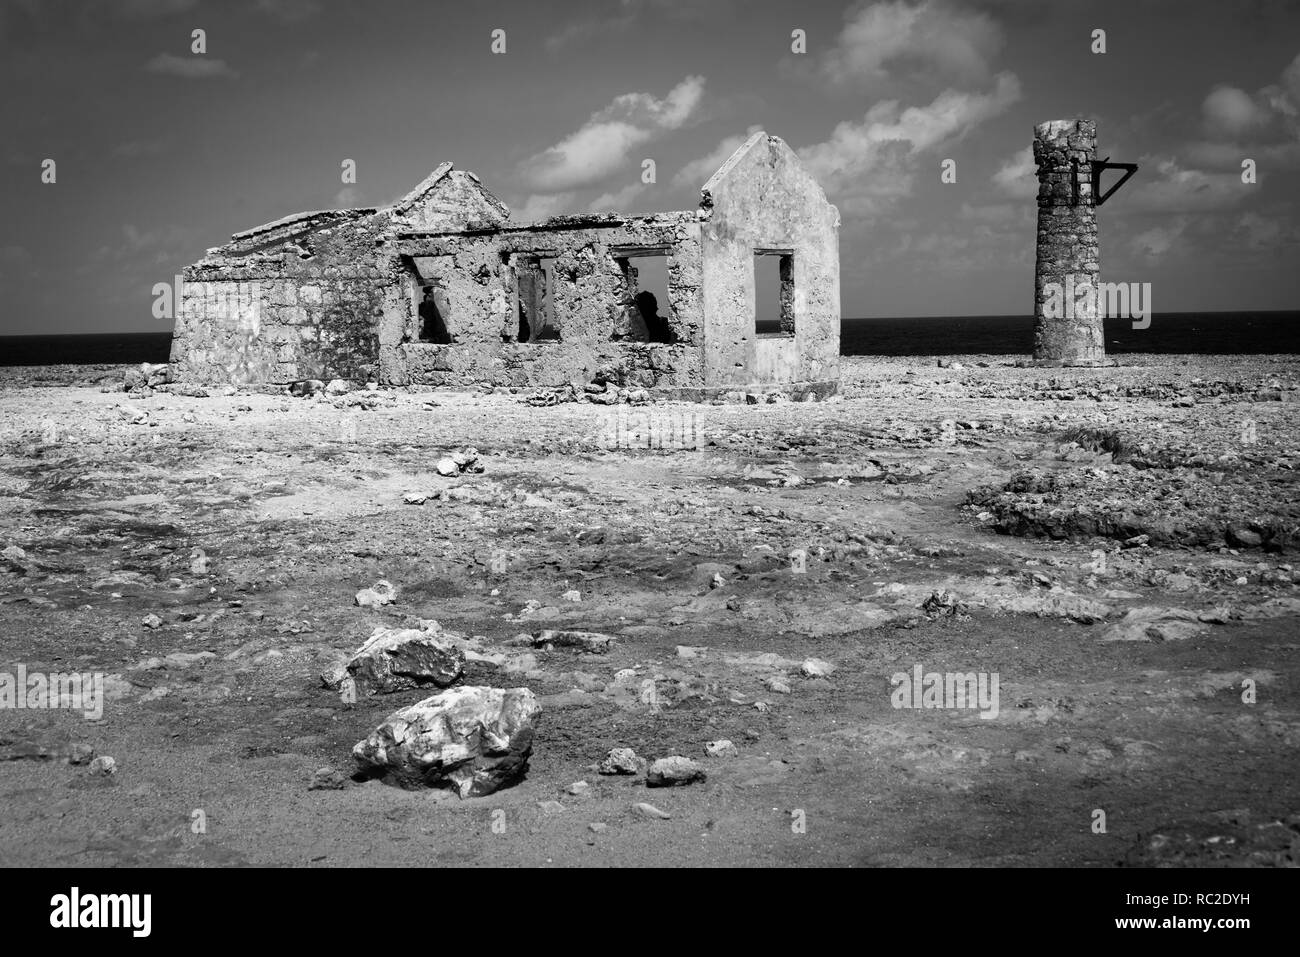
(327, 779)
(1238, 536)
(599, 827)
(133, 380)
(151, 621)
(650, 811)
(465, 460)
(377, 595)
(674, 771)
(551, 807)
(589, 641)
(687, 651)
(103, 765)
(620, 761)
(198, 562)
(578, 788)
(473, 740)
(816, 668)
(776, 685)
(1155, 623)
(184, 659)
(721, 748)
(572, 595)
(414, 498)
(13, 553)
(81, 753)
(399, 660)
(943, 602)
(306, 387)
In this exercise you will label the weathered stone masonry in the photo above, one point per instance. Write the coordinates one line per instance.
(348, 293)
(1068, 251)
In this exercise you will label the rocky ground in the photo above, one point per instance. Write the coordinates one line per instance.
(1114, 545)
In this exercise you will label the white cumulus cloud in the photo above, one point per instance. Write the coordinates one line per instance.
(931, 38)
(603, 145)
(867, 164)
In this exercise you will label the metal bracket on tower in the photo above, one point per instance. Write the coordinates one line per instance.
(1128, 168)
(1098, 167)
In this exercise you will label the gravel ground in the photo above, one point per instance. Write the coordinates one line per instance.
(1114, 545)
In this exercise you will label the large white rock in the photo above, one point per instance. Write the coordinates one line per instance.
(473, 740)
(395, 659)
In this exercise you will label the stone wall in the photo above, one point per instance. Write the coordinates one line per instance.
(762, 199)
(310, 296)
(273, 318)
(1068, 317)
(589, 295)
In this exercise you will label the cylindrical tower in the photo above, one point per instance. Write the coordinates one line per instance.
(1067, 313)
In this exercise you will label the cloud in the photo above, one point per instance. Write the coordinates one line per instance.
(929, 38)
(1175, 189)
(1018, 175)
(588, 29)
(995, 213)
(1264, 125)
(196, 67)
(1261, 232)
(541, 206)
(1156, 242)
(1230, 112)
(602, 145)
(141, 250)
(865, 166)
(617, 201)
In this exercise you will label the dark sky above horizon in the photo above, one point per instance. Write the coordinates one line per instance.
(161, 153)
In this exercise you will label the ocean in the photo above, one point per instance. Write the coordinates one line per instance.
(1194, 333)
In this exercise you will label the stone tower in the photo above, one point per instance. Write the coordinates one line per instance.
(1067, 313)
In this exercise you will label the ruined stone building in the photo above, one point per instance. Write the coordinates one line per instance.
(440, 289)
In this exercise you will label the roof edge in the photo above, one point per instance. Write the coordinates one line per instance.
(422, 188)
(305, 220)
(731, 161)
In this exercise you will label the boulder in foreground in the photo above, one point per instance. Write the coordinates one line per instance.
(473, 740)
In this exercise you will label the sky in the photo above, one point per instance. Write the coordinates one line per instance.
(160, 152)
